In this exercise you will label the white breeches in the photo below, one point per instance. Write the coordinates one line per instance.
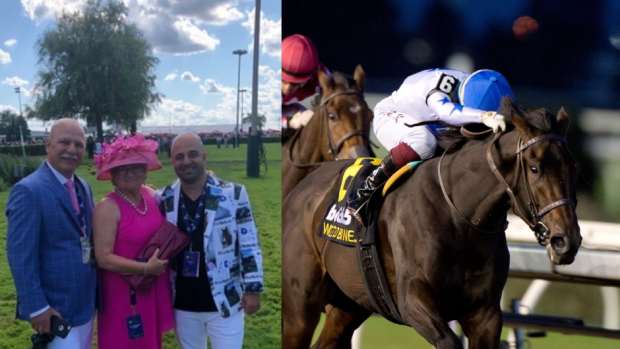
(389, 127)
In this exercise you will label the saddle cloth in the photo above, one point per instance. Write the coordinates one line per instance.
(338, 225)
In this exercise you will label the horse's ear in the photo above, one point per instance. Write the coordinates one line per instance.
(562, 121)
(514, 114)
(359, 75)
(326, 81)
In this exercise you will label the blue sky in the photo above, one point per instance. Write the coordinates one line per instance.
(193, 40)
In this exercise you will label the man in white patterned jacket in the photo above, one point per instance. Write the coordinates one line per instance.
(219, 275)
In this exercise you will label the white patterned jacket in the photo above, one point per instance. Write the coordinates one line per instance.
(232, 249)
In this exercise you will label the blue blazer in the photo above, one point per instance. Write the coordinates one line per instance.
(44, 251)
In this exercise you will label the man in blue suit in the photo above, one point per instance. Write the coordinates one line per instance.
(49, 241)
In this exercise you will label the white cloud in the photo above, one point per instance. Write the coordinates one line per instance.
(195, 34)
(49, 9)
(178, 27)
(189, 77)
(171, 76)
(270, 33)
(5, 57)
(213, 12)
(172, 26)
(16, 81)
(168, 34)
(10, 42)
(181, 113)
(11, 108)
(211, 86)
(223, 14)
(269, 95)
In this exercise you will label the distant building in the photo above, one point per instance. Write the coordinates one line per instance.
(38, 135)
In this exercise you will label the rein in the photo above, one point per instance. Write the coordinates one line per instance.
(534, 215)
(334, 148)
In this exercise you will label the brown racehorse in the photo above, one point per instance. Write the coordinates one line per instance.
(445, 255)
(338, 129)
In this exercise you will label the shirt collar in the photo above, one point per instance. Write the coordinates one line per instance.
(61, 178)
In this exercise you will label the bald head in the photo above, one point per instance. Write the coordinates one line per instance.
(65, 146)
(188, 158)
(185, 139)
(62, 126)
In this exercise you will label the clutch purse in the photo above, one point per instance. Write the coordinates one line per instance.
(170, 241)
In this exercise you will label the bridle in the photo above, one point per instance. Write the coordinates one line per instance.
(334, 148)
(533, 215)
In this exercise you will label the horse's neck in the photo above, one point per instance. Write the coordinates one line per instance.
(308, 147)
(473, 187)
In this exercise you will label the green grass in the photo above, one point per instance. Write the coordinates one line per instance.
(606, 187)
(262, 330)
(380, 333)
(561, 299)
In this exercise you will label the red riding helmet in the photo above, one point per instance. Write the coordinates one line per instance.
(300, 60)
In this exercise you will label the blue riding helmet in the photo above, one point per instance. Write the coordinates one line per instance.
(484, 89)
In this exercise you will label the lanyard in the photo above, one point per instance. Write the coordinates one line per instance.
(82, 215)
(192, 222)
(133, 300)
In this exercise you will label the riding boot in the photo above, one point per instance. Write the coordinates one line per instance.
(357, 206)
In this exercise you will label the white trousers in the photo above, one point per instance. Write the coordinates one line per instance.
(193, 328)
(390, 129)
(80, 337)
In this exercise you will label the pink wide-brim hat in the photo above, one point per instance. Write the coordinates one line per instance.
(127, 150)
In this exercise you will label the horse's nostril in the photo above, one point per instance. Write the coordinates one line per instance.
(559, 244)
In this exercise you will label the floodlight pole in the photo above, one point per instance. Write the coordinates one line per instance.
(252, 161)
(238, 52)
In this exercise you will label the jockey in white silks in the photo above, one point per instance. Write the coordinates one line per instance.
(443, 95)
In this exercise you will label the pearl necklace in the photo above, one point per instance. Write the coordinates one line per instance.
(135, 206)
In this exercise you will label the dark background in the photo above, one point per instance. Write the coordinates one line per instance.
(570, 57)
(571, 60)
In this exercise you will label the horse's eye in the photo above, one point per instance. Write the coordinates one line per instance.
(534, 169)
(331, 115)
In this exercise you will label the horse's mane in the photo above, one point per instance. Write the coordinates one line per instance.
(539, 119)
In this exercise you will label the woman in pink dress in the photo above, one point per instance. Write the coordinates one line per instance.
(124, 221)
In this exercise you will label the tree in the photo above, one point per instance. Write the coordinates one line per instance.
(260, 120)
(10, 124)
(96, 67)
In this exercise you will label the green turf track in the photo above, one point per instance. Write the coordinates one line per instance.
(262, 329)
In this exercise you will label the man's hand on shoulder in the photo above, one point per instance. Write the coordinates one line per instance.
(41, 323)
(250, 302)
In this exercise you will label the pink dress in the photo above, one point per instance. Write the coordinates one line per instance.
(154, 305)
